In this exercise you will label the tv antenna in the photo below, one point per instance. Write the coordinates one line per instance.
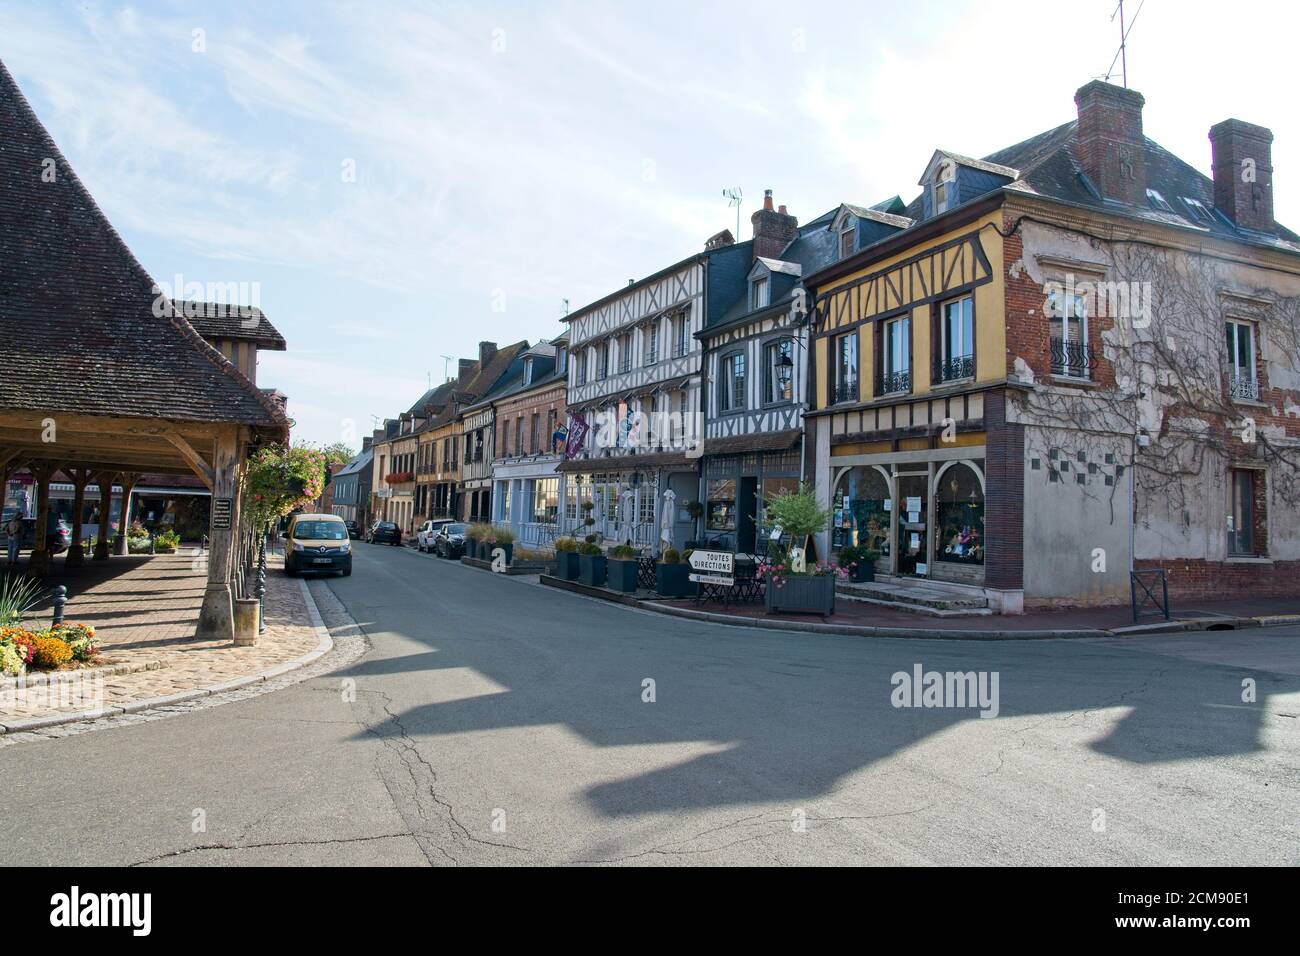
(1121, 55)
(565, 304)
(734, 196)
(446, 366)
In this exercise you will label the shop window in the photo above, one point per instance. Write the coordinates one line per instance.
(720, 513)
(959, 513)
(861, 511)
(546, 495)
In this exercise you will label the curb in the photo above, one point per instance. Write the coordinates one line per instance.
(945, 634)
(58, 677)
(324, 644)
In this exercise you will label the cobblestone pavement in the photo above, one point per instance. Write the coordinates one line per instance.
(146, 617)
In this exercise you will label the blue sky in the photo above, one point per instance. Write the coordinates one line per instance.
(509, 156)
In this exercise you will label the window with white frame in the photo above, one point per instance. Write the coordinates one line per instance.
(650, 347)
(956, 355)
(759, 292)
(681, 334)
(546, 498)
(602, 359)
(945, 183)
(848, 237)
(846, 368)
(731, 382)
(625, 352)
(1067, 314)
(778, 371)
(1242, 380)
(895, 356)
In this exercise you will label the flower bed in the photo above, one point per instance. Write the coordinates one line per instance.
(53, 648)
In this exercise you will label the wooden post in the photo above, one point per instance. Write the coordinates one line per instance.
(80, 477)
(40, 560)
(216, 618)
(124, 519)
(105, 480)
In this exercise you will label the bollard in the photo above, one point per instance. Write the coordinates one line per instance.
(60, 602)
(246, 610)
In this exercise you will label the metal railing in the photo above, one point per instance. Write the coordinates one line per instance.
(1148, 602)
(846, 391)
(1243, 387)
(954, 368)
(890, 383)
(1072, 359)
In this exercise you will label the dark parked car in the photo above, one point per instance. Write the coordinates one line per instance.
(449, 542)
(354, 531)
(385, 532)
(58, 534)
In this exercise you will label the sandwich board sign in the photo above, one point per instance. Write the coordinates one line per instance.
(713, 567)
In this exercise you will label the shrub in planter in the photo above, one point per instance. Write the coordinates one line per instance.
(566, 559)
(860, 562)
(17, 646)
(137, 545)
(167, 542)
(502, 538)
(673, 577)
(49, 652)
(811, 591)
(624, 563)
(592, 565)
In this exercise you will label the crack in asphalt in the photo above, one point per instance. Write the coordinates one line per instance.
(257, 846)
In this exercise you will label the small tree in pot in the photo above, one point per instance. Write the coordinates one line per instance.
(624, 562)
(592, 564)
(566, 559)
(793, 584)
(673, 577)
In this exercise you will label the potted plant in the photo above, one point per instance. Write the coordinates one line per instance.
(474, 537)
(566, 559)
(673, 576)
(624, 562)
(860, 561)
(166, 542)
(503, 538)
(592, 564)
(792, 583)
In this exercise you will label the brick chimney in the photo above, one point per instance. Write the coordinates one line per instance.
(773, 230)
(366, 442)
(1108, 141)
(464, 370)
(1243, 174)
(485, 352)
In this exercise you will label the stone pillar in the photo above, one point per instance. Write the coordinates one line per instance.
(216, 617)
(40, 560)
(105, 480)
(124, 519)
(79, 478)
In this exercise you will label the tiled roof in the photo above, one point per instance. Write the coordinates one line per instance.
(77, 318)
(215, 320)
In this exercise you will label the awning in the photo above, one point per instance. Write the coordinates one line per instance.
(762, 441)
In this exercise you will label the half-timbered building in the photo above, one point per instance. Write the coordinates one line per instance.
(1023, 395)
(635, 413)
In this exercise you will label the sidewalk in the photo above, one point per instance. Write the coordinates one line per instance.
(855, 617)
(145, 610)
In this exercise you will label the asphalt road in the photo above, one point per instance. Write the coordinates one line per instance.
(497, 721)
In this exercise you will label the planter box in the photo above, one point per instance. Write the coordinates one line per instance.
(864, 572)
(622, 574)
(566, 565)
(592, 569)
(509, 549)
(674, 580)
(803, 594)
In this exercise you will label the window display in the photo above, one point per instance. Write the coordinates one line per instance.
(959, 509)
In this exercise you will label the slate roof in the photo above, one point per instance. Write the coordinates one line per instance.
(216, 320)
(77, 320)
(356, 464)
(1047, 167)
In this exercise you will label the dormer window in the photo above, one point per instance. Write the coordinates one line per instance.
(528, 370)
(945, 184)
(759, 292)
(848, 237)
(1199, 212)
(1158, 201)
(561, 359)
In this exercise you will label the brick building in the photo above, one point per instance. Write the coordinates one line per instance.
(1071, 359)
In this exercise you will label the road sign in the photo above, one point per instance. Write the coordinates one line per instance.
(713, 567)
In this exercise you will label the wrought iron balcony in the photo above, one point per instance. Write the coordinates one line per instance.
(1243, 386)
(846, 391)
(1073, 359)
(890, 383)
(625, 364)
(953, 369)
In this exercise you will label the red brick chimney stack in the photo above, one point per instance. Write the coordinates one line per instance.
(1243, 174)
(773, 230)
(1108, 140)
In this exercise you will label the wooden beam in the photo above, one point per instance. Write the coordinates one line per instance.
(109, 424)
(201, 467)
